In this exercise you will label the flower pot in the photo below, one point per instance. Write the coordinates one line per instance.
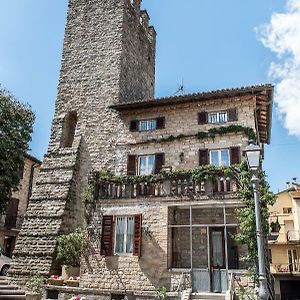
(33, 296)
(73, 283)
(68, 271)
(275, 229)
(53, 281)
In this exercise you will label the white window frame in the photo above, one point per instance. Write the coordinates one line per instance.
(219, 156)
(124, 253)
(147, 163)
(147, 125)
(218, 114)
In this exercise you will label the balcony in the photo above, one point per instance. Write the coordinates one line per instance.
(285, 268)
(293, 236)
(168, 187)
(11, 222)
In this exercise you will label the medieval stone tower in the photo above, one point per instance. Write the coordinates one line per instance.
(108, 58)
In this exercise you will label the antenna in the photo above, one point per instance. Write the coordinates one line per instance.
(180, 89)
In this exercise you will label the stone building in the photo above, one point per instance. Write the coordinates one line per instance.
(10, 223)
(141, 235)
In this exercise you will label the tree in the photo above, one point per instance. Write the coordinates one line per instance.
(16, 126)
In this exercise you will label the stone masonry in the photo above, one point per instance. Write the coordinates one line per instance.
(108, 58)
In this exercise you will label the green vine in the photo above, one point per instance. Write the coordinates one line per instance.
(211, 133)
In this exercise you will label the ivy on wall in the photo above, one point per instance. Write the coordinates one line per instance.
(211, 133)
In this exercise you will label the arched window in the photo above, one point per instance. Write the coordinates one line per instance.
(68, 131)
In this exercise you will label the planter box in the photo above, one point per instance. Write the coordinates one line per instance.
(33, 296)
(53, 281)
(67, 272)
(73, 283)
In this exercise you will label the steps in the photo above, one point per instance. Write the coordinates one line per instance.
(185, 295)
(10, 292)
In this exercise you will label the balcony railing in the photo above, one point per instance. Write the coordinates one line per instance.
(285, 268)
(11, 222)
(183, 186)
(293, 236)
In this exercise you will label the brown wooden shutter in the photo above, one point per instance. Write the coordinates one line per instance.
(133, 126)
(232, 115)
(202, 117)
(137, 235)
(203, 157)
(131, 165)
(235, 155)
(107, 236)
(160, 123)
(159, 162)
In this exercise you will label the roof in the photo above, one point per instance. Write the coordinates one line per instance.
(264, 101)
(32, 158)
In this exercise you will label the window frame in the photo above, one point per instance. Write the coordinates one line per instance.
(125, 236)
(217, 113)
(148, 122)
(139, 157)
(219, 157)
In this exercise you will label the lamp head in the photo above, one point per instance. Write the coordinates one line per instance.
(253, 155)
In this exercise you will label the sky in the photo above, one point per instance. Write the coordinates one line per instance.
(206, 44)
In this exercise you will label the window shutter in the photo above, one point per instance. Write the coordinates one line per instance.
(202, 117)
(131, 165)
(232, 115)
(160, 123)
(159, 162)
(137, 239)
(107, 236)
(203, 157)
(235, 155)
(133, 126)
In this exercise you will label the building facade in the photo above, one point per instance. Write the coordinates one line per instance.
(11, 222)
(142, 231)
(284, 242)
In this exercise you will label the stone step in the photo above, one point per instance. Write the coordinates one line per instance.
(3, 282)
(208, 296)
(12, 292)
(7, 287)
(12, 297)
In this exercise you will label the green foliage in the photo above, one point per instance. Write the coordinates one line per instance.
(16, 122)
(35, 283)
(69, 248)
(246, 214)
(161, 292)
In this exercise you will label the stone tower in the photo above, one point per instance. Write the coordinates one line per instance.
(108, 58)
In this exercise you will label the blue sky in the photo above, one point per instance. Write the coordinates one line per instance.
(209, 44)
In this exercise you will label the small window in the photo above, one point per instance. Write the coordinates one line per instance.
(68, 130)
(124, 235)
(146, 164)
(218, 117)
(287, 210)
(147, 125)
(219, 157)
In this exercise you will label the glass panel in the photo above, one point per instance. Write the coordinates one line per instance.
(129, 241)
(223, 117)
(146, 125)
(181, 254)
(200, 250)
(142, 165)
(179, 216)
(224, 158)
(207, 216)
(217, 248)
(232, 248)
(120, 232)
(212, 118)
(142, 125)
(214, 158)
(151, 160)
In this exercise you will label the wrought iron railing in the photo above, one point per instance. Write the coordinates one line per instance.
(183, 186)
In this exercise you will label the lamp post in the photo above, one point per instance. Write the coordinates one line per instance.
(253, 154)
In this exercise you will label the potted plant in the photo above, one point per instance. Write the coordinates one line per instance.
(34, 288)
(69, 249)
(55, 280)
(275, 226)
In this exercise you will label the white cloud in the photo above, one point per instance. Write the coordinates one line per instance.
(282, 36)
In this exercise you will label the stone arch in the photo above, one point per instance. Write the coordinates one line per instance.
(68, 129)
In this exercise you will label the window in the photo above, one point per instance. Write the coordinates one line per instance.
(146, 164)
(219, 157)
(217, 117)
(124, 235)
(287, 210)
(68, 130)
(147, 125)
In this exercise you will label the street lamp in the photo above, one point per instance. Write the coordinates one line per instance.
(253, 154)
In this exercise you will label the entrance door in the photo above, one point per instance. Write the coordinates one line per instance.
(217, 260)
